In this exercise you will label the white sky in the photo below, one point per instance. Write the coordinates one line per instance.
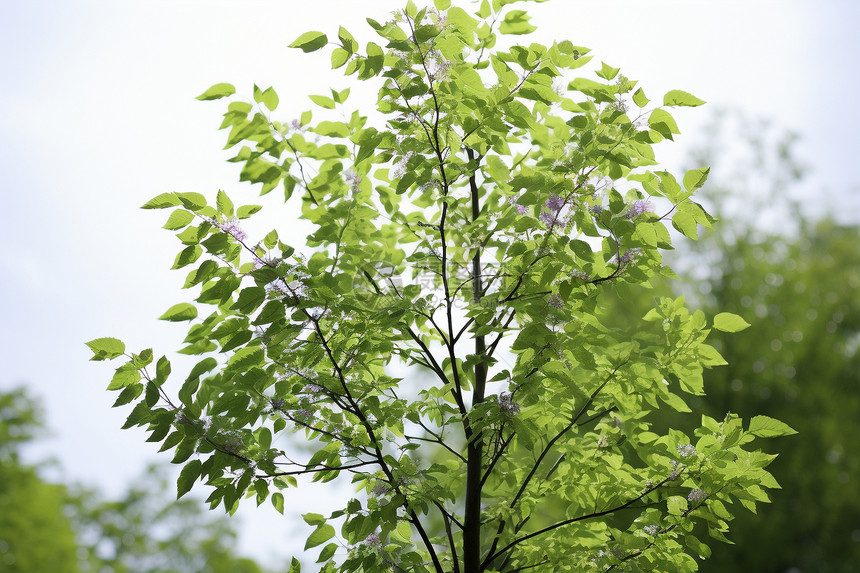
(98, 116)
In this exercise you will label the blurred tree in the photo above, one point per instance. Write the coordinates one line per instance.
(35, 535)
(53, 528)
(147, 531)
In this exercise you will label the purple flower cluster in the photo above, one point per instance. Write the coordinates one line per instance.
(507, 405)
(232, 228)
(639, 207)
(520, 209)
(697, 495)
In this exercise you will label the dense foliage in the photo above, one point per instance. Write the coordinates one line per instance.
(441, 335)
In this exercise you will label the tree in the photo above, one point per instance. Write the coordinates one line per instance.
(35, 535)
(49, 527)
(145, 531)
(440, 336)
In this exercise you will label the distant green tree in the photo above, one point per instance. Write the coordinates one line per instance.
(35, 535)
(53, 528)
(147, 531)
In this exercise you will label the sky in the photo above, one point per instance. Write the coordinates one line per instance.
(99, 115)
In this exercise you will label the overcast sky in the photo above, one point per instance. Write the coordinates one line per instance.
(98, 115)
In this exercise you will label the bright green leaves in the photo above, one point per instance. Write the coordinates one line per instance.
(765, 427)
(728, 322)
(607, 72)
(179, 219)
(696, 178)
(681, 98)
(516, 22)
(162, 201)
(180, 312)
(639, 98)
(267, 97)
(310, 41)
(106, 348)
(663, 123)
(217, 91)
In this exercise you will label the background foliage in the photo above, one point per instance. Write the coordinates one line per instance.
(65, 528)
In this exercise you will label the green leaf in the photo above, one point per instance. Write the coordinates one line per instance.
(217, 92)
(639, 98)
(270, 99)
(224, 204)
(320, 535)
(192, 201)
(125, 375)
(663, 123)
(180, 312)
(162, 201)
(179, 219)
(187, 477)
(681, 98)
(728, 322)
(695, 178)
(246, 211)
(278, 504)
(323, 101)
(516, 22)
(442, 4)
(766, 427)
(106, 348)
(310, 41)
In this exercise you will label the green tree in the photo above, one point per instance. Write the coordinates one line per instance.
(46, 527)
(145, 531)
(450, 297)
(35, 535)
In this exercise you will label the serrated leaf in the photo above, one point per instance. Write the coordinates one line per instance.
(310, 41)
(681, 98)
(217, 92)
(192, 201)
(767, 427)
(224, 204)
(180, 312)
(728, 322)
(125, 375)
(187, 477)
(162, 201)
(106, 348)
